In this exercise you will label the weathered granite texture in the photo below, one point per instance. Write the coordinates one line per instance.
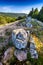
(19, 38)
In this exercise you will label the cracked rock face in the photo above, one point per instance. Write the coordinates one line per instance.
(20, 55)
(19, 38)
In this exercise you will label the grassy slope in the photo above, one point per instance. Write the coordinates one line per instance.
(38, 39)
(39, 30)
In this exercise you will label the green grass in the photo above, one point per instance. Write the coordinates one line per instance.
(39, 47)
(38, 32)
(35, 24)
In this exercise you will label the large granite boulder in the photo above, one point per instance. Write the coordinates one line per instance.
(19, 38)
(21, 54)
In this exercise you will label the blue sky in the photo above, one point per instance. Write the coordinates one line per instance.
(19, 6)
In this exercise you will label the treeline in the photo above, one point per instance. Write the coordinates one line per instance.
(12, 14)
(34, 13)
(8, 19)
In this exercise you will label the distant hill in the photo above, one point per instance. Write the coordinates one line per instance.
(12, 14)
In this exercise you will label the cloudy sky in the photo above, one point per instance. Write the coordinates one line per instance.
(19, 6)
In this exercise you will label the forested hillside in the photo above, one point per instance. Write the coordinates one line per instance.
(10, 17)
(34, 13)
(12, 14)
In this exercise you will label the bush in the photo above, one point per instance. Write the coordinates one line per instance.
(2, 20)
(8, 32)
(20, 17)
(10, 19)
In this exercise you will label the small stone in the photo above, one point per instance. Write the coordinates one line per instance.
(29, 25)
(1, 63)
(32, 46)
(28, 19)
(31, 40)
(7, 64)
(28, 63)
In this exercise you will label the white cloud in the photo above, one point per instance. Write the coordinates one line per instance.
(18, 9)
(13, 9)
(25, 11)
(5, 9)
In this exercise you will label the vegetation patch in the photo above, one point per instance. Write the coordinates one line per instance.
(34, 13)
(39, 47)
(2, 39)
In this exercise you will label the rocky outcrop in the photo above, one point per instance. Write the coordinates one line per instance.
(19, 38)
(28, 24)
(33, 51)
(28, 19)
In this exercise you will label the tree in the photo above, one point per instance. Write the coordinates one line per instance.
(31, 12)
(8, 19)
(35, 13)
(40, 16)
(20, 17)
